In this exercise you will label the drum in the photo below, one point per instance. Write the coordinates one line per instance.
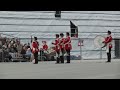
(98, 41)
(50, 53)
(50, 50)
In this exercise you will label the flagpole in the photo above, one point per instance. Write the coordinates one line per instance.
(31, 38)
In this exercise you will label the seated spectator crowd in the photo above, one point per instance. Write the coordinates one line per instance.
(8, 47)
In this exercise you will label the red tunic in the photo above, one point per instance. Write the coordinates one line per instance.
(62, 40)
(35, 47)
(56, 43)
(67, 43)
(108, 40)
(45, 47)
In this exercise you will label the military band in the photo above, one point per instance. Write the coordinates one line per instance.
(62, 46)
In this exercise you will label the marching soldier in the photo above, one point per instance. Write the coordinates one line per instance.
(57, 48)
(62, 48)
(108, 44)
(68, 46)
(35, 49)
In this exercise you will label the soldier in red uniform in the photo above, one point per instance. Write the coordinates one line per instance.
(108, 44)
(45, 46)
(35, 49)
(62, 48)
(44, 50)
(57, 48)
(68, 46)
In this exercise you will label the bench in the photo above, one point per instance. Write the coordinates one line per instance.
(17, 57)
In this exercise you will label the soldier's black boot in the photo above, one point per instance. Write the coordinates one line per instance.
(68, 59)
(58, 60)
(62, 59)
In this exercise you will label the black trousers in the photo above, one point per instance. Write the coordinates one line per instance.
(36, 57)
(62, 56)
(68, 56)
(58, 58)
(109, 55)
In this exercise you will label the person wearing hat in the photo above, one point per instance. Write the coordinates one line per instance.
(108, 44)
(62, 48)
(68, 46)
(35, 49)
(45, 50)
(57, 48)
(45, 46)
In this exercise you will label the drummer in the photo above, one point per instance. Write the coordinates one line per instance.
(44, 50)
(45, 46)
(108, 43)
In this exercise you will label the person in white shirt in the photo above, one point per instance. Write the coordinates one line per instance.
(29, 53)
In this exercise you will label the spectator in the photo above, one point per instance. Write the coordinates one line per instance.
(5, 45)
(15, 48)
(0, 48)
(28, 53)
(0, 42)
(28, 44)
(19, 47)
(7, 55)
(23, 52)
(12, 49)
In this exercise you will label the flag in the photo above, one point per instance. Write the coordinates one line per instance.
(74, 30)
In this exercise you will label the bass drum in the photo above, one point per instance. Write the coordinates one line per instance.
(50, 50)
(98, 41)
